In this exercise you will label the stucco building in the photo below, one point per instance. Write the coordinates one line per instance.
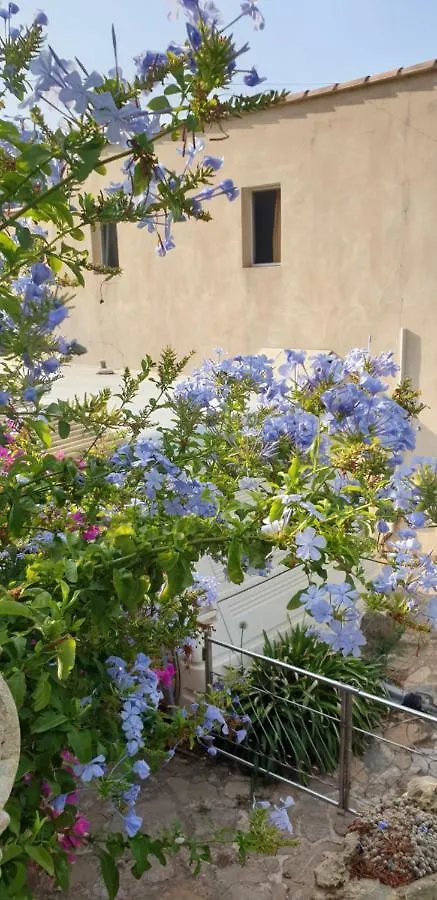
(332, 242)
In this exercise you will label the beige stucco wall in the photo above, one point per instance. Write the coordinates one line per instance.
(358, 173)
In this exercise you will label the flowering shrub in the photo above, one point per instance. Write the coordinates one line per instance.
(99, 583)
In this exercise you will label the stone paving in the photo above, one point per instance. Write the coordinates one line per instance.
(203, 794)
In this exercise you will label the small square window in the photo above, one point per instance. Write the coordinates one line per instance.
(104, 241)
(262, 226)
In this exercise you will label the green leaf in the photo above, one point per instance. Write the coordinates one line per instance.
(110, 874)
(66, 653)
(17, 686)
(234, 569)
(10, 305)
(10, 851)
(62, 872)
(13, 810)
(41, 856)
(140, 848)
(81, 744)
(295, 603)
(42, 693)
(70, 567)
(7, 246)
(43, 432)
(64, 429)
(13, 608)
(17, 882)
(172, 89)
(17, 516)
(159, 103)
(276, 510)
(48, 721)
(24, 236)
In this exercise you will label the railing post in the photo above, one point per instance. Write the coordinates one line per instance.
(345, 750)
(207, 656)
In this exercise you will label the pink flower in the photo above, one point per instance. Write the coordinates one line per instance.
(81, 464)
(60, 454)
(166, 675)
(91, 533)
(68, 757)
(78, 517)
(27, 777)
(81, 827)
(46, 789)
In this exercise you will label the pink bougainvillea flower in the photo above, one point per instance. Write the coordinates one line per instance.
(60, 454)
(166, 675)
(91, 533)
(81, 827)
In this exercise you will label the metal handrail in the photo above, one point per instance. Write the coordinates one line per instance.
(347, 693)
(339, 685)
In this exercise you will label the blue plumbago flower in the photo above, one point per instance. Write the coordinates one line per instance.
(29, 395)
(132, 823)
(41, 19)
(228, 187)
(416, 519)
(316, 603)
(383, 825)
(118, 123)
(194, 36)
(309, 544)
(298, 426)
(94, 769)
(278, 815)
(56, 316)
(58, 803)
(213, 162)
(150, 60)
(5, 398)
(382, 526)
(196, 11)
(76, 91)
(240, 735)
(49, 72)
(50, 366)
(206, 590)
(344, 637)
(130, 796)
(252, 79)
(141, 768)
(116, 478)
(342, 594)
(143, 695)
(41, 273)
(249, 8)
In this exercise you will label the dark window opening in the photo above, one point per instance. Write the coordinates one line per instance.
(266, 214)
(109, 244)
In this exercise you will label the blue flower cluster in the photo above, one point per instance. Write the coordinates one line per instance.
(214, 722)
(42, 313)
(140, 688)
(278, 813)
(334, 608)
(164, 484)
(206, 590)
(410, 572)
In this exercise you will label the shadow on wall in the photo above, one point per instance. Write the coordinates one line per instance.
(411, 367)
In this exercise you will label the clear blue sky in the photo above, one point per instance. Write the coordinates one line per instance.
(305, 43)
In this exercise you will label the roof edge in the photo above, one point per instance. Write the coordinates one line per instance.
(367, 80)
